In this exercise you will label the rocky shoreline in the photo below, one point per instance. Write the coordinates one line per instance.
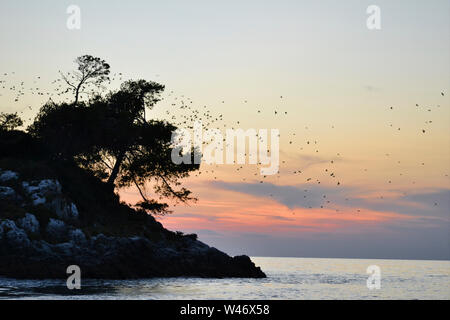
(42, 232)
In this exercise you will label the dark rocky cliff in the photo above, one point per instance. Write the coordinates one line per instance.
(54, 217)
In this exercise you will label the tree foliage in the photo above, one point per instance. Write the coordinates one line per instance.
(112, 138)
(91, 71)
(10, 121)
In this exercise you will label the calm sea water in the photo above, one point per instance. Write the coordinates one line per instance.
(288, 278)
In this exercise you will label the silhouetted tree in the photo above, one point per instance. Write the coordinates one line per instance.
(91, 71)
(111, 137)
(127, 108)
(10, 121)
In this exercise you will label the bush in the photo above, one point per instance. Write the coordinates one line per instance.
(192, 236)
(18, 144)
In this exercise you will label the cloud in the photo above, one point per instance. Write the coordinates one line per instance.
(195, 216)
(399, 226)
(280, 218)
(292, 196)
(433, 203)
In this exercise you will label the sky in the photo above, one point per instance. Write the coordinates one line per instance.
(364, 105)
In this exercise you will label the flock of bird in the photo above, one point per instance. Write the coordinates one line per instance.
(183, 112)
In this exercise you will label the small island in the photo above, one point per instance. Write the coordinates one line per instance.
(59, 182)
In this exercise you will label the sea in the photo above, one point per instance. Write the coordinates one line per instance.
(287, 278)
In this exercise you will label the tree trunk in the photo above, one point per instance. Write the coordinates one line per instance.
(77, 93)
(115, 171)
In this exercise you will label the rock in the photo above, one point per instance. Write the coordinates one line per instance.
(18, 238)
(57, 230)
(34, 192)
(65, 248)
(39, 191)
(38, 200)
(7, 193)
(105, 257)
(77, 237)
(64, 210)
(49, 185)
(29, 223)
(14, 236)
(145, 250)
(8, 175)
(247, 267)
(49, 193)
(74, 211)
(5, 226)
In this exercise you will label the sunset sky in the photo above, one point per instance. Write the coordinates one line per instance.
(370, 107)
